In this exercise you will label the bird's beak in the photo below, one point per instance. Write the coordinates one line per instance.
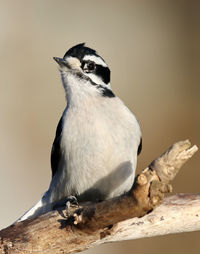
(69, 64)
(62, 62)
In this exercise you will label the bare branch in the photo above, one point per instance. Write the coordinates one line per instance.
(177, 214)
(113, 220)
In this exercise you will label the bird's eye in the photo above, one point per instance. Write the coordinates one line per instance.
(89, 66)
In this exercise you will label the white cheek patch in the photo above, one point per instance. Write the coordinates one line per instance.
(73, 62)
(95, 59)
(95, 78)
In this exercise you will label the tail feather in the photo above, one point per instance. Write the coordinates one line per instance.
(43, 206)
(39, 208)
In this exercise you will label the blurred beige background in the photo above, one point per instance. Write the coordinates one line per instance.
(153, 49)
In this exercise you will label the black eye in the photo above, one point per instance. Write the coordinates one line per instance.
(89, 66)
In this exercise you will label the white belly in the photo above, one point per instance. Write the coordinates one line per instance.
(99, 154)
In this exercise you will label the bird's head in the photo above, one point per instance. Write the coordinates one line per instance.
(83, 70)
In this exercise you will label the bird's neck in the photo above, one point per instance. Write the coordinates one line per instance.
(78, 92)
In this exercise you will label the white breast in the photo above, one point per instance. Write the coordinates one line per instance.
(99, 144)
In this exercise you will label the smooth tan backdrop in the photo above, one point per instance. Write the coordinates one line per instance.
(152, 48)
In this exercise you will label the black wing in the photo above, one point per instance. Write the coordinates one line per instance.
(139, 147)
(56, 151)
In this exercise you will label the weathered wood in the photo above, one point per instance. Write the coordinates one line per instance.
(113, 220)
(177, 214)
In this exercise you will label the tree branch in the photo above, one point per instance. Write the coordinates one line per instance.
(113, 220)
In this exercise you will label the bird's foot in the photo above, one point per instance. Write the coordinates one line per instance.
(71, 201)
(71, 205)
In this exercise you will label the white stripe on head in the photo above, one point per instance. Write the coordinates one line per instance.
(97, 80)
(96, 59)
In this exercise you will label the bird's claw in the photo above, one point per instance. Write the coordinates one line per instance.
(71, 205)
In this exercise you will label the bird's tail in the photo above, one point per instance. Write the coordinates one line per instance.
(41, 207)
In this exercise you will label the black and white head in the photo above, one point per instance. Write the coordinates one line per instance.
(84, 72)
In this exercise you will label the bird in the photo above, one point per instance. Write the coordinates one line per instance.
(98, 139)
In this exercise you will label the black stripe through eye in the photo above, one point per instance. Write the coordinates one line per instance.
(103, 72)
(88, 66)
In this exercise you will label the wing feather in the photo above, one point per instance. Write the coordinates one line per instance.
(56, 150)
(139, 147)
